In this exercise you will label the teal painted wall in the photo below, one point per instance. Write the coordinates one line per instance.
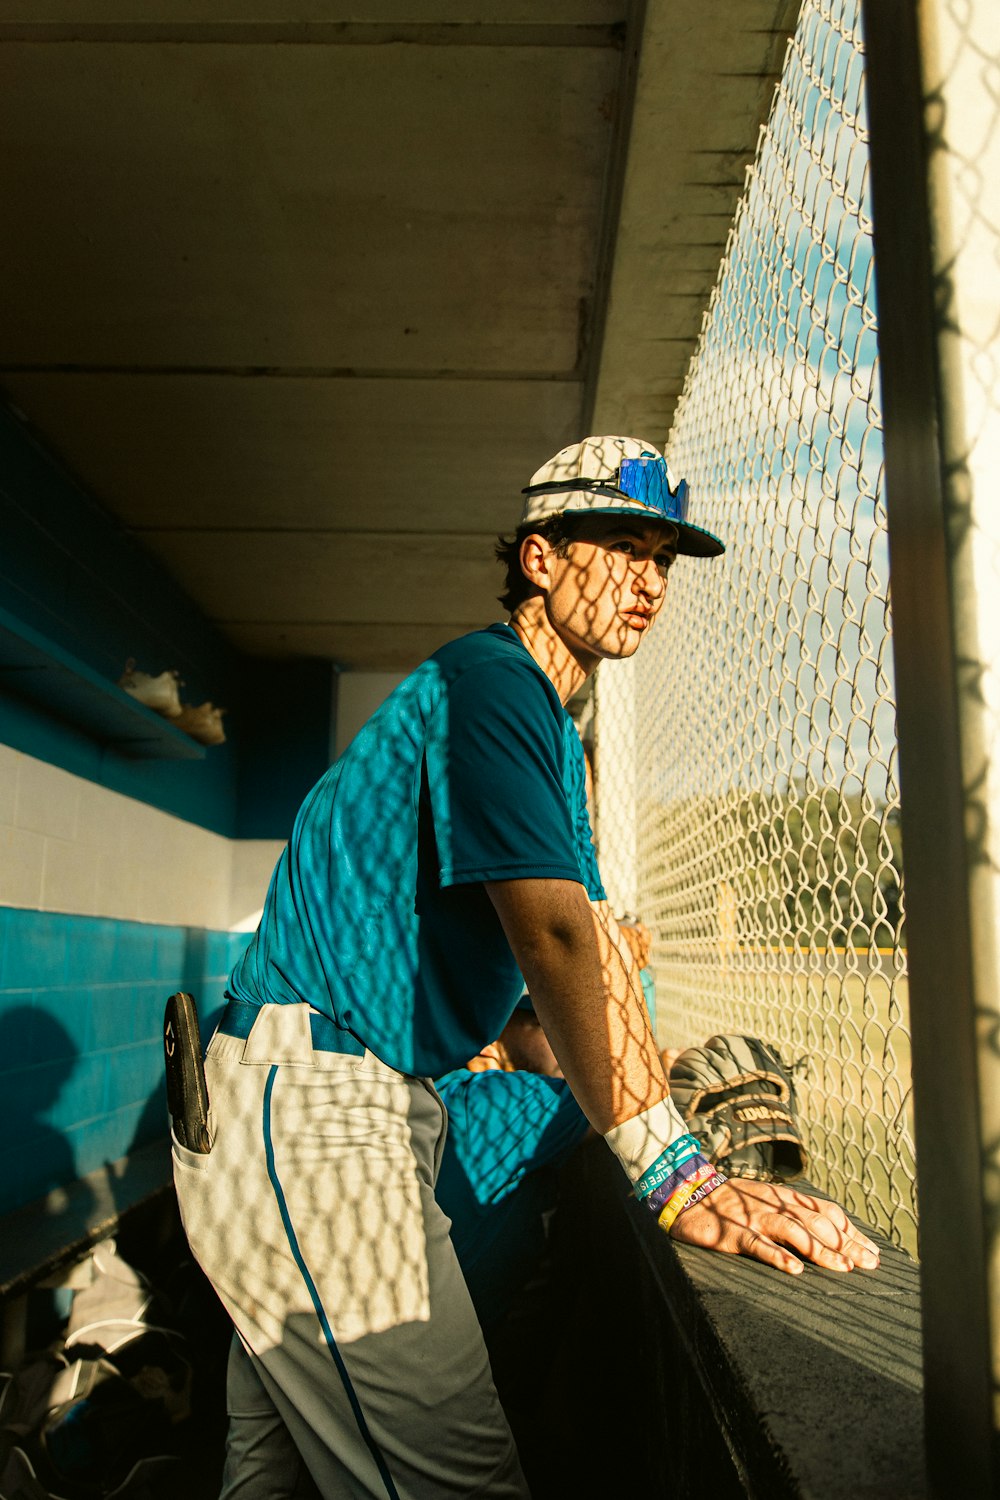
(81, 998)
(68, 570)
(81, 1059)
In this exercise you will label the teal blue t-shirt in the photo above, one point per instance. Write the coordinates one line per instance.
(376, 915)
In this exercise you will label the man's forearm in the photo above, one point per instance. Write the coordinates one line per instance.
(586, 995)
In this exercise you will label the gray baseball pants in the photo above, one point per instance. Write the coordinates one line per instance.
(314, 1218)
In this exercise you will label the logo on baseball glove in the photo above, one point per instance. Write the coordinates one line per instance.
(738, 1097)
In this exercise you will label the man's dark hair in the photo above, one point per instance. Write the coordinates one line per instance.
(558, 531)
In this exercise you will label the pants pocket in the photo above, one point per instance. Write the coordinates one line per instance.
(183, 1156)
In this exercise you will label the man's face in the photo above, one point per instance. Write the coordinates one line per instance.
(608, 589)
(526, 1047)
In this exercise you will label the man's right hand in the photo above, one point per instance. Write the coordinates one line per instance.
(777, 1225)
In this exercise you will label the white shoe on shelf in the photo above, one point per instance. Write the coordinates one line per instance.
(160, 693)
(203, 723)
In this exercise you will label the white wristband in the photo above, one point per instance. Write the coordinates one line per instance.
(639, 1141)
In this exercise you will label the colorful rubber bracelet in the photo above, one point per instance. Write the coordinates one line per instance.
(702, 1174)
(681, 1174)
(697, 1166)
(704, 1189)
(687, 1197)
(639, 1142)
(676, 1203)
(664, 1169)
(668, 1161)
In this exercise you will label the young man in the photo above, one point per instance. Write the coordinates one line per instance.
(441, 858)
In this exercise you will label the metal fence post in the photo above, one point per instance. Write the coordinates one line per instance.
(934, 105)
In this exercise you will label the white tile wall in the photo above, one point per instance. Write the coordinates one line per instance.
(22, 858)
(68, 882)
(117, 893)
(48, 804)
(68, 845)
(253, 862)
(9, 763)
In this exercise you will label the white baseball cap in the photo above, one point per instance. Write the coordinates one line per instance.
(616, 476)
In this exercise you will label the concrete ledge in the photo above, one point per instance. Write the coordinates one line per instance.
(816, 1383)
(741, 1380)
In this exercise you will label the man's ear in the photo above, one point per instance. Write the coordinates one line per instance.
(535, 556)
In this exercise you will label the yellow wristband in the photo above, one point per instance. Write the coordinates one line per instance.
(699, 1187)
(678, 1202)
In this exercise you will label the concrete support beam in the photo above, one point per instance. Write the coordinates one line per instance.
(704, 87)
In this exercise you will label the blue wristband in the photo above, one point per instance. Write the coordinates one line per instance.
(668, 1161)
(660, 1196)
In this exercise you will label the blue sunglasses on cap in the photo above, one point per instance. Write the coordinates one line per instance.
(647, 480)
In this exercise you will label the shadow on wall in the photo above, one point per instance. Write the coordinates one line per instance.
(200, 974)
(48, 1057)
(81, 1059)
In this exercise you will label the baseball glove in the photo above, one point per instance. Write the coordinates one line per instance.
(739, 1100)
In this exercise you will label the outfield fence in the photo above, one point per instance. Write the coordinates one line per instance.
(747, 803)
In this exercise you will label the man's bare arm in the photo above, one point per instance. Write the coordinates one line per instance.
(584, 995)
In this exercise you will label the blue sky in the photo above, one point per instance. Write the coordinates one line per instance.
(780, 437)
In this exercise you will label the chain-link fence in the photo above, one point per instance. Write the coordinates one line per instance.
(747, 798)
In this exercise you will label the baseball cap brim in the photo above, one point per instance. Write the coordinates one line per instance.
(692, 541)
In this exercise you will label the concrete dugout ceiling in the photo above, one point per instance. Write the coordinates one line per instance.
(303, 300)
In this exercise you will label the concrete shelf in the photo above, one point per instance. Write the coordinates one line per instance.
(35, 668)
